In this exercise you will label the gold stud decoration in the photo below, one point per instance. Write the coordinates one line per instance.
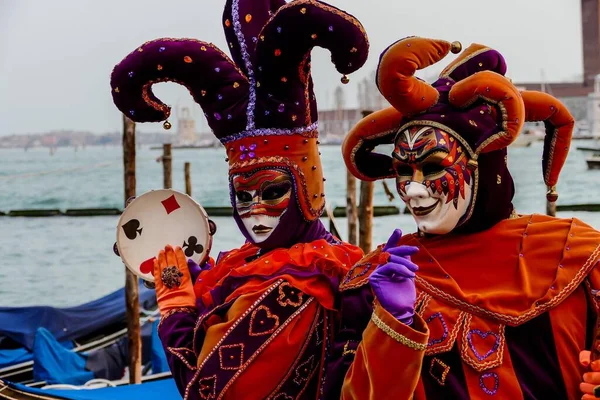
(159, 67)
(345, 79)
(455, 47)
(303, 10)
(313, 36)
(203, 48)
(116, 90)
(248, 18)
(167, 125)
(236, 85)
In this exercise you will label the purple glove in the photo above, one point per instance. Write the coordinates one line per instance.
(195, 269)
(394, 283)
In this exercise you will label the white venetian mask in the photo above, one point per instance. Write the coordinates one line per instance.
(261, 199)
(432, 178)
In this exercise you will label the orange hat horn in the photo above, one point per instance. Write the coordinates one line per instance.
(397, 66)
(559, 123)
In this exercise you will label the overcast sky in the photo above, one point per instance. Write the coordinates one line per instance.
(56, 55)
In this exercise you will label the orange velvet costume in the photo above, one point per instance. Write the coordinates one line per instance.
(542, 266)
(508, 301)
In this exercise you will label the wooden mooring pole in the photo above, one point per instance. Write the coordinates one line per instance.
(351, 211)
(365, 216)
(188, 179)
(167, 170)
(551, 208)
(365, 212)
(131, 281)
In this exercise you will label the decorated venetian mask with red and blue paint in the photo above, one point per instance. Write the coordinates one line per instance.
(261, 199)
(432, 178)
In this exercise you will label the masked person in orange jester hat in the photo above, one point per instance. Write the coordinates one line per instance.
(508, 300)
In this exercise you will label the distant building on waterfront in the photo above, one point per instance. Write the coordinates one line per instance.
(186, 128)
(577, 96)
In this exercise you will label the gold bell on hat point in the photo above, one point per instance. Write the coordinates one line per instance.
(167, 125)
(345, 79)
(455, 47)
(472, 164)
(552, 194)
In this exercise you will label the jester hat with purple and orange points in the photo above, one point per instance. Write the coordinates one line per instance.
(472, 101)
(261, 105)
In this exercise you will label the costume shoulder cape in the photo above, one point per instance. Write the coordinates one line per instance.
(510, 273)
(315, 268)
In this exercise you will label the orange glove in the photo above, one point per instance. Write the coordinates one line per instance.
(174, 287)
(590, 379)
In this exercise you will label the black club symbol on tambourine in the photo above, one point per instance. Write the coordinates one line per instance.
(192, 246)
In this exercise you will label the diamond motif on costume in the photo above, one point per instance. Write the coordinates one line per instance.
(439, 371)
(289, 295)
(207, 387)
(187, 356)
(303, 370)
(483, 336)
(262, 322)
(231, 357)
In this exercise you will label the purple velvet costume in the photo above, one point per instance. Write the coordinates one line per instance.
(264, 97)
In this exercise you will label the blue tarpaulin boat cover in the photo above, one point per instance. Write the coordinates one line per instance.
(14, 356)
(55, 364)
(159, 359)
(163, 389)
(21, 323)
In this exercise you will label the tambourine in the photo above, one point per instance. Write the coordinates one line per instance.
(159, 218)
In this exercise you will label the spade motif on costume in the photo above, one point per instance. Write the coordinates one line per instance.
(192, 246)
(303, 370)
(207, 387)
(132, 229)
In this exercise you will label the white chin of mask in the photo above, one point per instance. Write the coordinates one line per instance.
(444, 217)
(260, 227)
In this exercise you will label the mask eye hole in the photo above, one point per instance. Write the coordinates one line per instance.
(404, 170)
(274, 192)
(243, 196)
(432, 169)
